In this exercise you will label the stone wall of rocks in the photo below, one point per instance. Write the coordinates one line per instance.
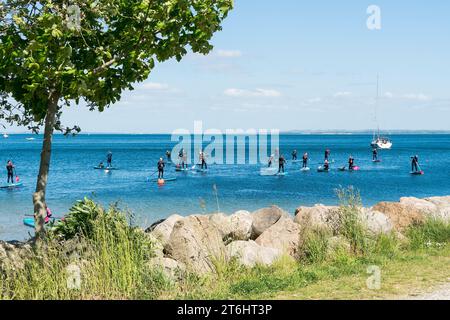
(195, 242)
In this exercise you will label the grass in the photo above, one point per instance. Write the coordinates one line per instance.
(112, 259)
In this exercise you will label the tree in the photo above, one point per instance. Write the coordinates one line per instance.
(57, 53)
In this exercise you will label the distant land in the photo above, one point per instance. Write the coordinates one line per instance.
(292, 132)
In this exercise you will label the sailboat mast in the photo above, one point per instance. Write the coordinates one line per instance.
(377, 101)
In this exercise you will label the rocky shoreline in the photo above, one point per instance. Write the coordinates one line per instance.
(263, 236)
(196, 243)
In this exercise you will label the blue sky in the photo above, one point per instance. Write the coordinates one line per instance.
(299, 65)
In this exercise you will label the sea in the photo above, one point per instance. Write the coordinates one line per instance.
(224, 187)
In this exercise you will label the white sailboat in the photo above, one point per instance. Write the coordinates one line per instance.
(5, 135)
(379, 141)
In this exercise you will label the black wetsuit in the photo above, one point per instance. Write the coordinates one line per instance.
(204, 165)
(326, 166)
(169, 156)
(161, 166)
(10, 170)
(109, 160)
(181, 157)
(327, 154)
(415, 164)
(375, 154)
(351, 163)
(305, 161)
(294, 155)
(281, 164)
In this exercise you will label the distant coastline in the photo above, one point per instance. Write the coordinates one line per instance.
(288, 132)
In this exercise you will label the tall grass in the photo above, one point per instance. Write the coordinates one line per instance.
(111, 256)
(432, 233)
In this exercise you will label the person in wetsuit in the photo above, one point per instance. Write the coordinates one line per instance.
(109, 159)
(305, 160)
(161, 166)
(327, 154)
(281, 162)
(202, 158)
(181, 158)
(269, 163)
(415, 163)
(351, 163)
(10, 171)
(169, 156)
(375, 154)
(294, 155)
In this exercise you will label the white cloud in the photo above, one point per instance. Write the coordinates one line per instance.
(155, 86)
(417, 96)
(342, 94)
(409, 96)
(266, 93)
(229, 53)
(314, 100)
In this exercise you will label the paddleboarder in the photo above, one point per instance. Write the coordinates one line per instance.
(109, 159)
(351, 162)
(281, 162)
(375, 154)
(161, 166)
(10, 171)
(305, 160)
(294, 155)
(415, 163)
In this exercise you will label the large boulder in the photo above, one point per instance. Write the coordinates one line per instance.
(375, 221)
(171, 268)
(424, 206)
(249, 253)
(443, 207)
(264, 218)
(400, 215)
(163, 228)
(241, 225)
(196, 242)
(283, 235)
(318, 217)
(238, 226)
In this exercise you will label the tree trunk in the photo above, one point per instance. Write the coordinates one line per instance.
(40, 207)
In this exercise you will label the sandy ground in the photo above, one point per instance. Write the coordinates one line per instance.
(440, 293)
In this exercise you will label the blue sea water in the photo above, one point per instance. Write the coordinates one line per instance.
(72, 176)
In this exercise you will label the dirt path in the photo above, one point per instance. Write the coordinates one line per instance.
(440, 293)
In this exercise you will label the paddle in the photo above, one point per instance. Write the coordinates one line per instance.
(52, 217)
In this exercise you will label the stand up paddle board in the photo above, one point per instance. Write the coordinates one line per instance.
(106, 168)
(376, 161)
(11, 185)
(165, 179)
(322, 169)
(305, 169)
(417, 173)
(282, 174)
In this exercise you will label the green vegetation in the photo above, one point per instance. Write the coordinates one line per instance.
(113, 258)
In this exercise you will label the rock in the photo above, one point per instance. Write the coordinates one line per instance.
(249, 253)
(400, 215)
(13, 253)
(265, 218)
(222, 222)
(173, 269)
(162, 230)
(318, 217)
(196, 242)
(375, 221)
(241, 225)
(426, 207)
(238, 226)
(443, 207)
(283, 235)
